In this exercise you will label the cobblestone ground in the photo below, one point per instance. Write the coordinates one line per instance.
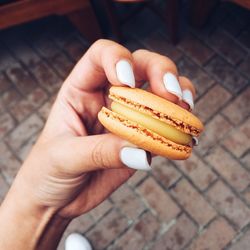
(202, 203)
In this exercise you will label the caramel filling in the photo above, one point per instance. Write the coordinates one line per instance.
(155, 125)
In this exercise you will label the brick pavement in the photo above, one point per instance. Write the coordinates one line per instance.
(202, 203)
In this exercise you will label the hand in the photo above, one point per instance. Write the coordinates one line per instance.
(74, 165)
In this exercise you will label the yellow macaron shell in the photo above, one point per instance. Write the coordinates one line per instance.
(155, 125)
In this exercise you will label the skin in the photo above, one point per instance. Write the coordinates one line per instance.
(66, 172)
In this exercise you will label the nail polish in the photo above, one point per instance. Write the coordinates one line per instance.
(125, 73)
(172, 85)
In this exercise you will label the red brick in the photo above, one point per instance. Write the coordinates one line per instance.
(214, 131)
(6, 124)
(26, 106)
(10, 97)
(238, 142)
(158, 43)
(213, 238)
(197, 207)
(137, 178)
(98, 212)
(75, 48)
(201, 80)
(226, 74)
(164, 171)
(108, 229)
(4, 188)
(127, 201)
(238, 110)
(211, 102)
(24, 131)
(4, 83)
(62, 64)
(229, 205)
(229, 168)
(9, 164)
(158, 200)
(195, 49)
(177, 236)
(140, 234)
(22, 79)
(242, 243)
(200, 174)
(23, 152)
(226, 46)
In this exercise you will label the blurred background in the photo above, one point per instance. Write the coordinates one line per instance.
(202, 203)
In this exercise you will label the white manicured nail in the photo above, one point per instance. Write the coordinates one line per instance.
(187, 97)
(172, 85)
(135, 158)
(125, 73)
(77, 242)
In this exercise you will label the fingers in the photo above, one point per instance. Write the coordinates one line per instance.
(105, 60)
(163, 78)
(105, 151)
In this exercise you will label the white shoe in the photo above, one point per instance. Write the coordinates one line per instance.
(77, 242)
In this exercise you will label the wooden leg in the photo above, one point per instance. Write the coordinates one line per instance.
(173, 19)
(200, 11)
(113, 19)
(86, 22)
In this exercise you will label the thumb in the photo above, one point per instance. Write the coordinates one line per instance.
(105, 151)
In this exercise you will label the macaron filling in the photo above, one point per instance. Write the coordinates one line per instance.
(157, 126)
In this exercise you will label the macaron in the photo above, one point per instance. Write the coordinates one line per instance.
(151, 122)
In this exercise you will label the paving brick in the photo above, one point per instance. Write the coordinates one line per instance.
(80, 224)
(246, 160)
(213, 238)
(139, 235)
(242, 243)
(6, 59)
(133, 45)
(238, 109)
(4, 83)
(201, 80)
(211, 102)
(214, 131)
(244, 67)
(226, 46)
(24, 82)
(158, 200)
(47, 78)
(9, 164)
(159, 43)
(229, 168)
(109, 228)
(177, 236)
(46, 107)
(75, 48)
(137, 178)
(226, 74)
(10, 97)
(4, 188)
(26, 106)
(200, 174)
(195, 204)
(23, 152)
(6, 124)
(238, 142)
(195, 49)
(246, 195)
(24, 131)
(164, 171)
(62, 64)
(229, 205)
(98, 212)
(127, 201)
(244, 38)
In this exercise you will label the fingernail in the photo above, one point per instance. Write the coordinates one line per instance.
(172, 85)
(195, 141)
(187, 97)
(125, 73)
(135, 158)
